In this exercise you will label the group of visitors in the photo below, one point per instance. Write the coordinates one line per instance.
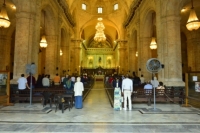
(73, 85)
(127, 84)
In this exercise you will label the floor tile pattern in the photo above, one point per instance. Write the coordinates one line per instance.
(97, 115)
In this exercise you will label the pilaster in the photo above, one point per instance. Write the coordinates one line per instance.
(123, 57)
(5, 43)
(193, 48)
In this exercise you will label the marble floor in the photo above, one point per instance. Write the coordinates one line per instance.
(97, 116)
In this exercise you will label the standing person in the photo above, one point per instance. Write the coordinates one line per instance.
(22, 83)
(45, 81)
(33, 80)
(155, 82)
(78, 92)
(142, 79)
(127, 89)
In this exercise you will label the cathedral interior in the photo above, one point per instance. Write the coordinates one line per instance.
(68, 37)
(68, 30)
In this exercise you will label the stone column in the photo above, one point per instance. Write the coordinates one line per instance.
(66, 53)
(76, 55)
(25, 38)
(172, 51)
(144, 56)
(5, 43)
(193, 48)
(51, 55)
(122, 56)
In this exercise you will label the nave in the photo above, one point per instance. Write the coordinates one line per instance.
(97, 116)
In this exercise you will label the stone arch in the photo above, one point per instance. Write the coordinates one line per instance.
(50, 23)
(147, 22)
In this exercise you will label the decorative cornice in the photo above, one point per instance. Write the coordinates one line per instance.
(63, 4)
(133, 8)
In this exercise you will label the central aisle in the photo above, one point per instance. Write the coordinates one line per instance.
(97, 97)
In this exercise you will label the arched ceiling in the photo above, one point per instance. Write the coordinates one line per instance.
(87, 20)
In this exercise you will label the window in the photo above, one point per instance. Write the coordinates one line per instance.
(100, 10)
(84, 7)
(115, 6)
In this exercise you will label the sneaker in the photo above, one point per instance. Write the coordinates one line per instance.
(124, 108)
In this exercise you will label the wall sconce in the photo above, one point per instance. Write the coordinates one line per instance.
(4, 20)
(193, 22)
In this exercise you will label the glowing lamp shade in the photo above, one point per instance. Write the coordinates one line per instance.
(153, 44)
(4, 20)
(43, 42)
(193, 22)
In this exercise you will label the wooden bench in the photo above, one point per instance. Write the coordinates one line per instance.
(170, 94)
(24, 95)
(142, 95)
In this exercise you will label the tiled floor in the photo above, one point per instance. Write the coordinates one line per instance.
(98, 116)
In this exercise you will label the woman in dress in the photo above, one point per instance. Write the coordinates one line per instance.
(78, 92)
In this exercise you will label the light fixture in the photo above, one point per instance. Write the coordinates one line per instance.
(61, 53)
(193, 22)
(4, 20)
(136, 54)
(43, 42)
(100, 36)
(153, 44)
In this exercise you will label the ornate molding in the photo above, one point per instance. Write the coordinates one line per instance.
(63, 4)
(133, 8)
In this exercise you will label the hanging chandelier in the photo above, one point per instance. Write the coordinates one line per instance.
(193, 22)
(153, 44)
(100, 36)
(43, 42)
(4, 20)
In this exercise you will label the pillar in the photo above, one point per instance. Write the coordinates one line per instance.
(144, 55)
(172, 51)
(122, 56)
(26, 36)
(75, 56)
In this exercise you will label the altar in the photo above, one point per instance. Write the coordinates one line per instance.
(99, 77)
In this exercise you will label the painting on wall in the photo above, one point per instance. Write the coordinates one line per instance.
(95, 44)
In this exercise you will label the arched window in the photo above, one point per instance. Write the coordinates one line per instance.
(116, 6)
(84, 6)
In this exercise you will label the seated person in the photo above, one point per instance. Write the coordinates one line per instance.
(45, 81)
(161, 87)
(69, 86)
(56, 80)
(148, 87)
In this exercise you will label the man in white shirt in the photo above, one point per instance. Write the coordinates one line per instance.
(127, 89)
(45, 81)
(155, 82)
(22, 83)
